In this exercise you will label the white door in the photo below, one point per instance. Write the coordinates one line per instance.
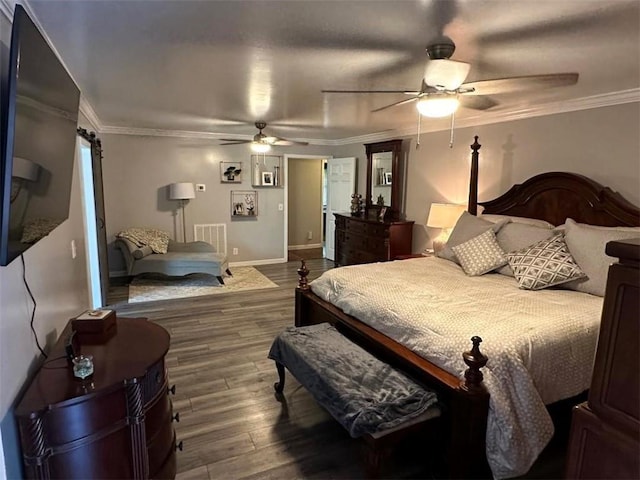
(341, 183)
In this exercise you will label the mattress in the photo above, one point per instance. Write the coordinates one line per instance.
(541, 344)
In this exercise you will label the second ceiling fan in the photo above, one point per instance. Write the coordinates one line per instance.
(262, 143)
(443, 88)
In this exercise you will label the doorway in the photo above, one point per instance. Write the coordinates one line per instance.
(305, 200)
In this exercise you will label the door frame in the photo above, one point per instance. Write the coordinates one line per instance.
(285, 161)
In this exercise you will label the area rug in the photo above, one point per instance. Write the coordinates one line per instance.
(150, 287)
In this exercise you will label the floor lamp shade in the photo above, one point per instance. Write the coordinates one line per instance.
(182, 191)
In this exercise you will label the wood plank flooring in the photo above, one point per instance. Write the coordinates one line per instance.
(231, 424)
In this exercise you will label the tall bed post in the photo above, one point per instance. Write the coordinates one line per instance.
(473, 178)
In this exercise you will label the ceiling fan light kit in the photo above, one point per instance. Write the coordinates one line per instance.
(260, 147)
(438, 105)
(445, 74)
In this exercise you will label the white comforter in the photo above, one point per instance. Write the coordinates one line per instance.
(540, 344)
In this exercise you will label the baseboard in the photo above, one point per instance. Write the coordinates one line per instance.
(251, 263)
(304, 247)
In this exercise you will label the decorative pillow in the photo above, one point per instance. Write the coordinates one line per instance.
(516, 236)
(544, 264)
(587, 245)
(141, 252)
(158, 240)
(467, 227)
(37, 228)
(481, 254)
(527, 221)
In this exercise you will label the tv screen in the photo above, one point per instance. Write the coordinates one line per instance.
(39, 120)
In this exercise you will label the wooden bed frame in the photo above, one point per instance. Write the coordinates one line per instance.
(553, 197)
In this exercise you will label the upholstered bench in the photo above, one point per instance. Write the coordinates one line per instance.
(369, 398)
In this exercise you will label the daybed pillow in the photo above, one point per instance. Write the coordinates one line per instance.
(544, 264)
(481, 254)
(587, 245)
(158, 240)
(527, 221)
(141, 252)
(516, 236)
(467, 227)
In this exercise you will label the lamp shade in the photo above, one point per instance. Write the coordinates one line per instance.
(444, 215)
(181, 191)
(437, 105)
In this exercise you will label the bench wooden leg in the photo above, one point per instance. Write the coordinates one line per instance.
(229, 272)
(375, 456)
(220, 280)
(279, 385)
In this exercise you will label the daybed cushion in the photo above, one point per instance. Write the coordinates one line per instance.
(158, 240)
(587, 245)
(467, 227)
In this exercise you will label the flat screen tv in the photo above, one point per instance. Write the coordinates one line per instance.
(39, 120)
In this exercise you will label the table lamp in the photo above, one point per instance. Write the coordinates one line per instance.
(444, 216)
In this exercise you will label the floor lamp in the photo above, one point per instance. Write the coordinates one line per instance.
(182, 191)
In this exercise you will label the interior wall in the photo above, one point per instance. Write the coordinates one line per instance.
(305, 202)
(137, 171)
(59, 285)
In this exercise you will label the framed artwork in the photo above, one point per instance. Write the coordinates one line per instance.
(267, 179)
(244, 203)
(231, 172)
(387, 178)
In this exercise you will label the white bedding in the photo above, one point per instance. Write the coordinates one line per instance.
(540, 344)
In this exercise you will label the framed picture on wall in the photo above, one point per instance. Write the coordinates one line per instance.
(231, 172)
(267, 179)
(387, 178)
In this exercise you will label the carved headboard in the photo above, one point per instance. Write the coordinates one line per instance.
(556, 196)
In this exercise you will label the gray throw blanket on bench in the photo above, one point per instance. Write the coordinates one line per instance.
(361, 392)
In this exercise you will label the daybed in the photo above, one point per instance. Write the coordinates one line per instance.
(540, 344)
(180, 259)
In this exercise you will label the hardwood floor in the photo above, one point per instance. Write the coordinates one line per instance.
(231, 424)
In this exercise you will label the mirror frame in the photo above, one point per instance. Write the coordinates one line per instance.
(393, 146)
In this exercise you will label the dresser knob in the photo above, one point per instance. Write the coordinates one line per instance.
(176, 417)
(171, 390)
(179, 446)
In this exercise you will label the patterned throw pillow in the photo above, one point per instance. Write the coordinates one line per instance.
(544, 264)
(481, 254)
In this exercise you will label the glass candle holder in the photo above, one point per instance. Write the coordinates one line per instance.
(83, 366)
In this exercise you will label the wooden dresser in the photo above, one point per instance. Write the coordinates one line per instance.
(364, 240)
(605, 431)
(115, 424)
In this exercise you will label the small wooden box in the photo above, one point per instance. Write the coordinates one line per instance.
(95, 326)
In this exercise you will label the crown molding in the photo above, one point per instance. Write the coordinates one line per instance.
(89, 113)
(6, 8)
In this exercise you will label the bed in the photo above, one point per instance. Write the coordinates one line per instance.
(478, 446)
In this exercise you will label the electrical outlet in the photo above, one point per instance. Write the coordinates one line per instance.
(235, 251)
(201, 187)
(309, 235)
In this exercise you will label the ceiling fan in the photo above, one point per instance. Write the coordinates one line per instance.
(261, 143)
(443, 88)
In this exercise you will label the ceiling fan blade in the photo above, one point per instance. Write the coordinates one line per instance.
(229, 141)
(519, 84)
(285, 142)
(406, 92)
(396, 104)
(478, 102)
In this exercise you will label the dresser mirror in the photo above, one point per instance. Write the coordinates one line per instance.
(384, 185)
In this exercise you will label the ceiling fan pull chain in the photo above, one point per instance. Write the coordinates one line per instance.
(451, 137)
(418, 141)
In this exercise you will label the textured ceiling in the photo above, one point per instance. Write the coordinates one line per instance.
(217, 66)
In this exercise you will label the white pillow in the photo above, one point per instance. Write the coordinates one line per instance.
(587, 245)
(481, 254)
(467, 227)
(544, 264)
(527, 221)
(516, 236)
